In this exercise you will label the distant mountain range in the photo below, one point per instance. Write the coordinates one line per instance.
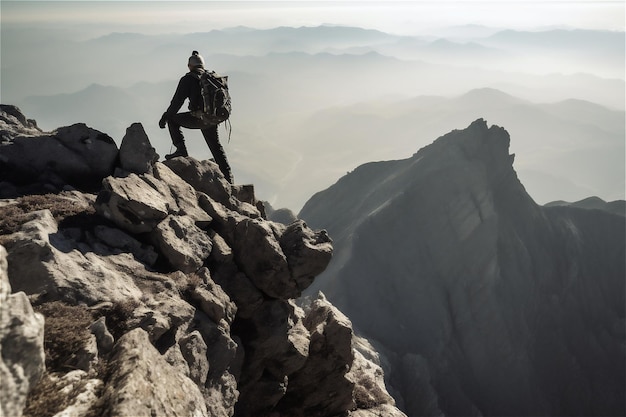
(481, 301)
(566, 150)
(29, 63)
(594, 203)
(336, 97)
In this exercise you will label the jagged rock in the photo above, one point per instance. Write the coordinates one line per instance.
(240, 289)
(183, 194)
(369, 383)
(47, 263)
(138, 203)
(75, 155)
(320, 387)
(14, 123)
(221, 396)
(308, 253)
(206, 177)
(104, 338)
(260, 257)
(218, 336)
(279, 260)
(142, 383)
(43, 261)
(21, 345)
(80, 390)
(136, 152)
(279, 349)
(212, 299)
(182, 243)
(131, 203)
(221, 253)
(383, 410)
(194, 350)
(118, 239)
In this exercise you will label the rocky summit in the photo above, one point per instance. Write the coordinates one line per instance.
(480, 301)
(132, 287)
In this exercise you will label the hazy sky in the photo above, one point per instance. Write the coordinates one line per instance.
(402, 17)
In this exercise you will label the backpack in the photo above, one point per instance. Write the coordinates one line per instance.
(215, 97)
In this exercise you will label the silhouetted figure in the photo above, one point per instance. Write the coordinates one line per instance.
(189, 88)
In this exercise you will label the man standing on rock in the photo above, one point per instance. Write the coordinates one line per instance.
(189, 88)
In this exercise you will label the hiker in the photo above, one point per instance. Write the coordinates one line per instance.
(189, 88)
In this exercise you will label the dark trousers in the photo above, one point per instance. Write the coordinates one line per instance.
(209, 131)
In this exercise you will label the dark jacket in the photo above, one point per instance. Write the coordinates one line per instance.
(188, 88)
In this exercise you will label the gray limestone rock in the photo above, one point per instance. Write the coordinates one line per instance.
(220, 335)
(104, 338)
(80, 390)
(194, 350)
(75, 155)
(44, 261)
(136, 152)
(212, 299)
(321, 386)
(142, 383)
(21, 345)
(182, 243)
(308, 252)
(258, 254)
(206, 177)
(182, 193)
(118, 239)
(131, 203)
(279, 349)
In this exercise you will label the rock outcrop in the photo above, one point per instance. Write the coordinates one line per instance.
(21, 345)
(165, 291)
(480, 301)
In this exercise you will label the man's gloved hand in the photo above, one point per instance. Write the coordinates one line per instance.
(163, 121)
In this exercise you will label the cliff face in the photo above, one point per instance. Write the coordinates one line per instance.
(482, 302)
(164, 290)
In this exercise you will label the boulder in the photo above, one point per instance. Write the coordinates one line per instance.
(43, 261)
(182, 243)
(76, 155)
(82, 391)
(194, 350)
(136, 152)
(142, 383)
(22, 359)
(308, 252)
(206, 177)
(259, 256)
(183, 194)
(212, 299)
(320, 386)
(14, 123)
(279, 348)
(131, 203)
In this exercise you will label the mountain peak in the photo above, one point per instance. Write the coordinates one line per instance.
(447, 263)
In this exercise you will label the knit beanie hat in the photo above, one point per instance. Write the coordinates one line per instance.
(196, 60)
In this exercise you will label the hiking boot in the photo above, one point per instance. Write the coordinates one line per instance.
(182, 151)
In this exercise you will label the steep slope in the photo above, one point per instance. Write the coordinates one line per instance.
(164, 288)
(484, 302)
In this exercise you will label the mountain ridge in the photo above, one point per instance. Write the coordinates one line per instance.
(472, 292)
(159, 288)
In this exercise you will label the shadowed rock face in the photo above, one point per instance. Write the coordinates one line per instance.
(187, 297)
(483, 302)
